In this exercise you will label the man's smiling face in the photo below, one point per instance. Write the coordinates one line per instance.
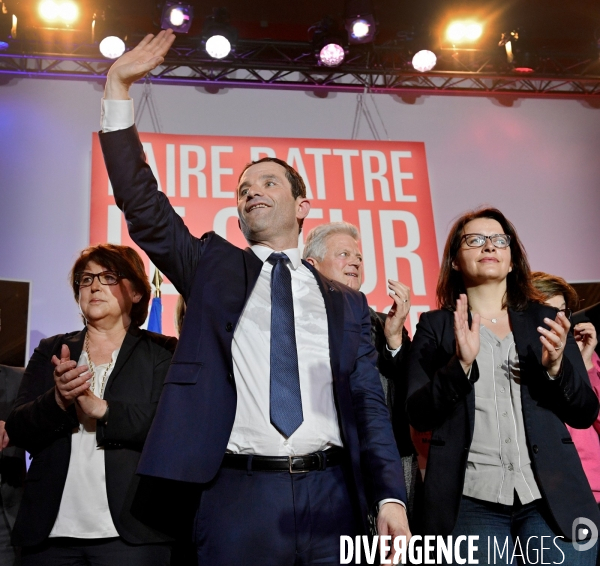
(266, 206)
(343, 260)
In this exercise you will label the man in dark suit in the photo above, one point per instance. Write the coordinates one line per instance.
(334, 250)
(12, 464)
(292, 451)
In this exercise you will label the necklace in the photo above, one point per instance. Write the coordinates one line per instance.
(493, 320)
(93, 384)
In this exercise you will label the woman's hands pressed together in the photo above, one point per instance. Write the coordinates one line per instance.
(72, 384)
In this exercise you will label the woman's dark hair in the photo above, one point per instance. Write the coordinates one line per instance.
(551, 285)
(123, 260)
(519, 289)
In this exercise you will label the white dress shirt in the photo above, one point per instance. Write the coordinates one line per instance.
(83, 511)
(252, 431)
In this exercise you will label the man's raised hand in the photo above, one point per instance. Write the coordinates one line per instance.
(135, 64)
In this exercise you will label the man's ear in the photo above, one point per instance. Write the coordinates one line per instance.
(312, 261)
(302, 208)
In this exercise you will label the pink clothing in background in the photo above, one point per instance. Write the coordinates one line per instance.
(587, 441)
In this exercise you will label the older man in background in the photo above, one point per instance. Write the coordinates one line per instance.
(334, 250)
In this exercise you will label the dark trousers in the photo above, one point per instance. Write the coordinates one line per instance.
(504, 528)
(273, 518)
(94, 552)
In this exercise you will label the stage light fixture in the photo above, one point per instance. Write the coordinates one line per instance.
(464, 32)
(112, 47)
(58, 12)
(218, 36)
(424, 60)
(359, 21)
(332, 55)
(523, 60)
(218, 46)
(328, 43)
(177, 16)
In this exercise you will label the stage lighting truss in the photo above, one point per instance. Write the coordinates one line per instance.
(292, 65)
(177, 16)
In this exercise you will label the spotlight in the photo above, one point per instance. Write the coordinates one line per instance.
(359, 21)
(332, 55)
(218, 36)
(327, 43)
(424, 60)
(218, 46)
(53, 11)
(523, 60)
(177, 16)
(112, 47)
(463, 32)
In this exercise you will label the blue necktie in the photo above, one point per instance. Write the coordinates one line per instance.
(285, 399)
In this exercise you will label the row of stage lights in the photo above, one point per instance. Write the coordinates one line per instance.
(218, 37)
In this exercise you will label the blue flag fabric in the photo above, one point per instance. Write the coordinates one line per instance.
(155, 320)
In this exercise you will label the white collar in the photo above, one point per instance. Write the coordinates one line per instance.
(263, 253)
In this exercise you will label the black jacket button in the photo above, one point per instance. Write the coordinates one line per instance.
(535, 449)
(230, 378)
(229, 327)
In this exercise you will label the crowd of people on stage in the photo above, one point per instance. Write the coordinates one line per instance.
(281, 419)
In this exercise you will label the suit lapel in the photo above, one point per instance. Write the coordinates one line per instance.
(334, 307)
(253, 266)
(129, 343)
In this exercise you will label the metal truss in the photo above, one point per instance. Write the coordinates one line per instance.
(293, 65)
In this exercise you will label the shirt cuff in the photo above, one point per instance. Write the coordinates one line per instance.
(116, 115)
(393, 352)
(390, 501)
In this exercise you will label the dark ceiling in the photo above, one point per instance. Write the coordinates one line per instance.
(562, 23)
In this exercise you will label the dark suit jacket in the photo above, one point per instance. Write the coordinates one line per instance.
(393, 374)
(12, 459)
(40, 426)
(442, 399)
(216, 279)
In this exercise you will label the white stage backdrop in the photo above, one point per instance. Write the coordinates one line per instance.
(536, 160)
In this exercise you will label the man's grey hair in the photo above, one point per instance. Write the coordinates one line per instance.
(316, 241)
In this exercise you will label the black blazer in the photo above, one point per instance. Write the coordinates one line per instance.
(442, 399)
(393, 371)
(40, 426)
(12, 458)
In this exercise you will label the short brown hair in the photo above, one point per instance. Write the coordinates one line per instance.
(296, 181)
(519, 289)
(551, 285)
(123, 260)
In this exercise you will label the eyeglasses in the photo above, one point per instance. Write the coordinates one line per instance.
(478, 240)
(85, 279)
(567, 312)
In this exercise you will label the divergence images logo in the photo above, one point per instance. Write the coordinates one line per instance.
(584, 534)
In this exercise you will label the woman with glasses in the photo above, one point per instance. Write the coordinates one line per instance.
(83, 411)
(494, 374)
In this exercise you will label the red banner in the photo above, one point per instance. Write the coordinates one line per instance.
(381, 187)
